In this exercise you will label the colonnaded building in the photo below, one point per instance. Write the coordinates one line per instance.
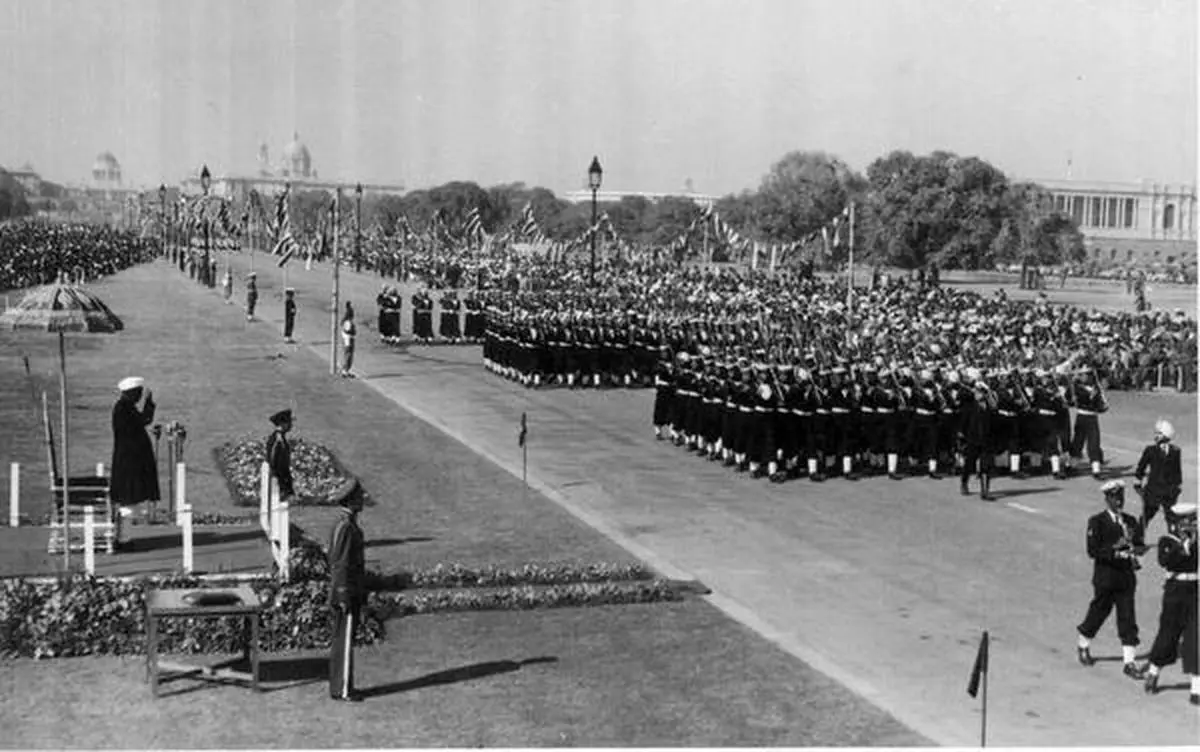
(1142, 223)
(294, 167)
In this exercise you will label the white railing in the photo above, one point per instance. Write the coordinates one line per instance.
(274, 517)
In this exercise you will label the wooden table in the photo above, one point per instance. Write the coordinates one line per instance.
(169, 604)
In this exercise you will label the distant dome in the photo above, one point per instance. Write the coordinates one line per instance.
(297, 162)
(106, 169)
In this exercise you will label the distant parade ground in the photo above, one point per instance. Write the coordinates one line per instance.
(784, 459)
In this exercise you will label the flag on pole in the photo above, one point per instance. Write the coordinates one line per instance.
(981, 666)
(524, 431)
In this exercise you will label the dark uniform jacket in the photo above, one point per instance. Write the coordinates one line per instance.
(347, 562)
(1105, 539)
(279, 457)
(134, 470)
(1166, 476)
(976, 421)
(1176, 557)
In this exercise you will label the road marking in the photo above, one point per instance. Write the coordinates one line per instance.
(1023, 508)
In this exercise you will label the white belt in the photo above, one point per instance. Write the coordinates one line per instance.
(884, 411)
(867, 409)
(801, 413)
(1007, 413)
(745, 410)
(922, 411)
(822, 412)
(1048, 413)
(1086, 412)
(841, 411)
(1182, 576)
(761, 410)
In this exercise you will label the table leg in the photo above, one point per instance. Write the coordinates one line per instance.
(152, 653)
(254, 650)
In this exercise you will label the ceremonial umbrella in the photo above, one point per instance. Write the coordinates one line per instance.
(62, 308)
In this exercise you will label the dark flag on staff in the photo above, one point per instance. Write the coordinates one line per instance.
(524, 431)
(981, 666)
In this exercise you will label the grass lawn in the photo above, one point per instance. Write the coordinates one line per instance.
(666, 674)
(661, 675)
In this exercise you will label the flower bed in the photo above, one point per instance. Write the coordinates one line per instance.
(316, 471)
(88, 616)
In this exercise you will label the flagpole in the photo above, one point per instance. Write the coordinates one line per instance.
(333, 315)
(983, 720)
(850, 286)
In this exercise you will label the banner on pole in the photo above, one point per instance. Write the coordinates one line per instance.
(524, 431)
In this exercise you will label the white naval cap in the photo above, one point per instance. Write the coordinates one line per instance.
(1113, 485)
(1183, 510)
(131, 382)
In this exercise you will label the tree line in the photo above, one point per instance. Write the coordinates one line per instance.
(910, 210)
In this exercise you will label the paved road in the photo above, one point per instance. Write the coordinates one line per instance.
(883, 585)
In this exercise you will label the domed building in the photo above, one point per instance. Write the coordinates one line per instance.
(106, 171)
(297, 161)
(294, 167)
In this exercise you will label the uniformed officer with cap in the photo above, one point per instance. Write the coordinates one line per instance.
(1177, 622)
(1114, 541)
(347, 588)
(251, 295)
(279, 453)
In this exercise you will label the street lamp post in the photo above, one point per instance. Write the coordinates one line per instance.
(162, 213)
(205, 182)
(595, 173)
(358, 192)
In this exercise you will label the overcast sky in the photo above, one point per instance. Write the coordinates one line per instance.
(663, 90)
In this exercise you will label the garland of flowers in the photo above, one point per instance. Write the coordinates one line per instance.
(316, 472)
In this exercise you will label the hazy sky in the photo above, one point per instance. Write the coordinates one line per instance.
(662, 90)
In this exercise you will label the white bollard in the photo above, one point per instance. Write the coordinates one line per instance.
(185, 518)
(272, 510)
(89, 539)
(284, 541)
(99, 469)
(264, 498)
(14, 494)
(180, 491)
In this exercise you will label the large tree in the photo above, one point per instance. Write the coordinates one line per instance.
(940, 207)
(803, 192)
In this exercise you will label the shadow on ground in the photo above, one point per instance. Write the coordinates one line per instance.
(455, 675)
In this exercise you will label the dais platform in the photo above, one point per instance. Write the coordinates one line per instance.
(145, 550)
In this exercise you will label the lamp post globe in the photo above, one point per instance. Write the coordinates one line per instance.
(595, 174)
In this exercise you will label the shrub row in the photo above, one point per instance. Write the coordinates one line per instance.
(199, 519)
(87, 616)
(308, 561)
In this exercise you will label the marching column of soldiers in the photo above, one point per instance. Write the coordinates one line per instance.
(570, 349)
(797, 419)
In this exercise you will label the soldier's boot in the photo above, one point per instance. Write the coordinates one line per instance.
(1096, 470)
(627, 380)
(1056, 467)
(596, 380)
(848, 468)
(985, 488)
(893, 465)
(933, 473)
(571, 380)
(537, 379)
(658, 435)
(814, 474)
(755, 470)
(773, 472)
(964, 484)
(730, 459)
